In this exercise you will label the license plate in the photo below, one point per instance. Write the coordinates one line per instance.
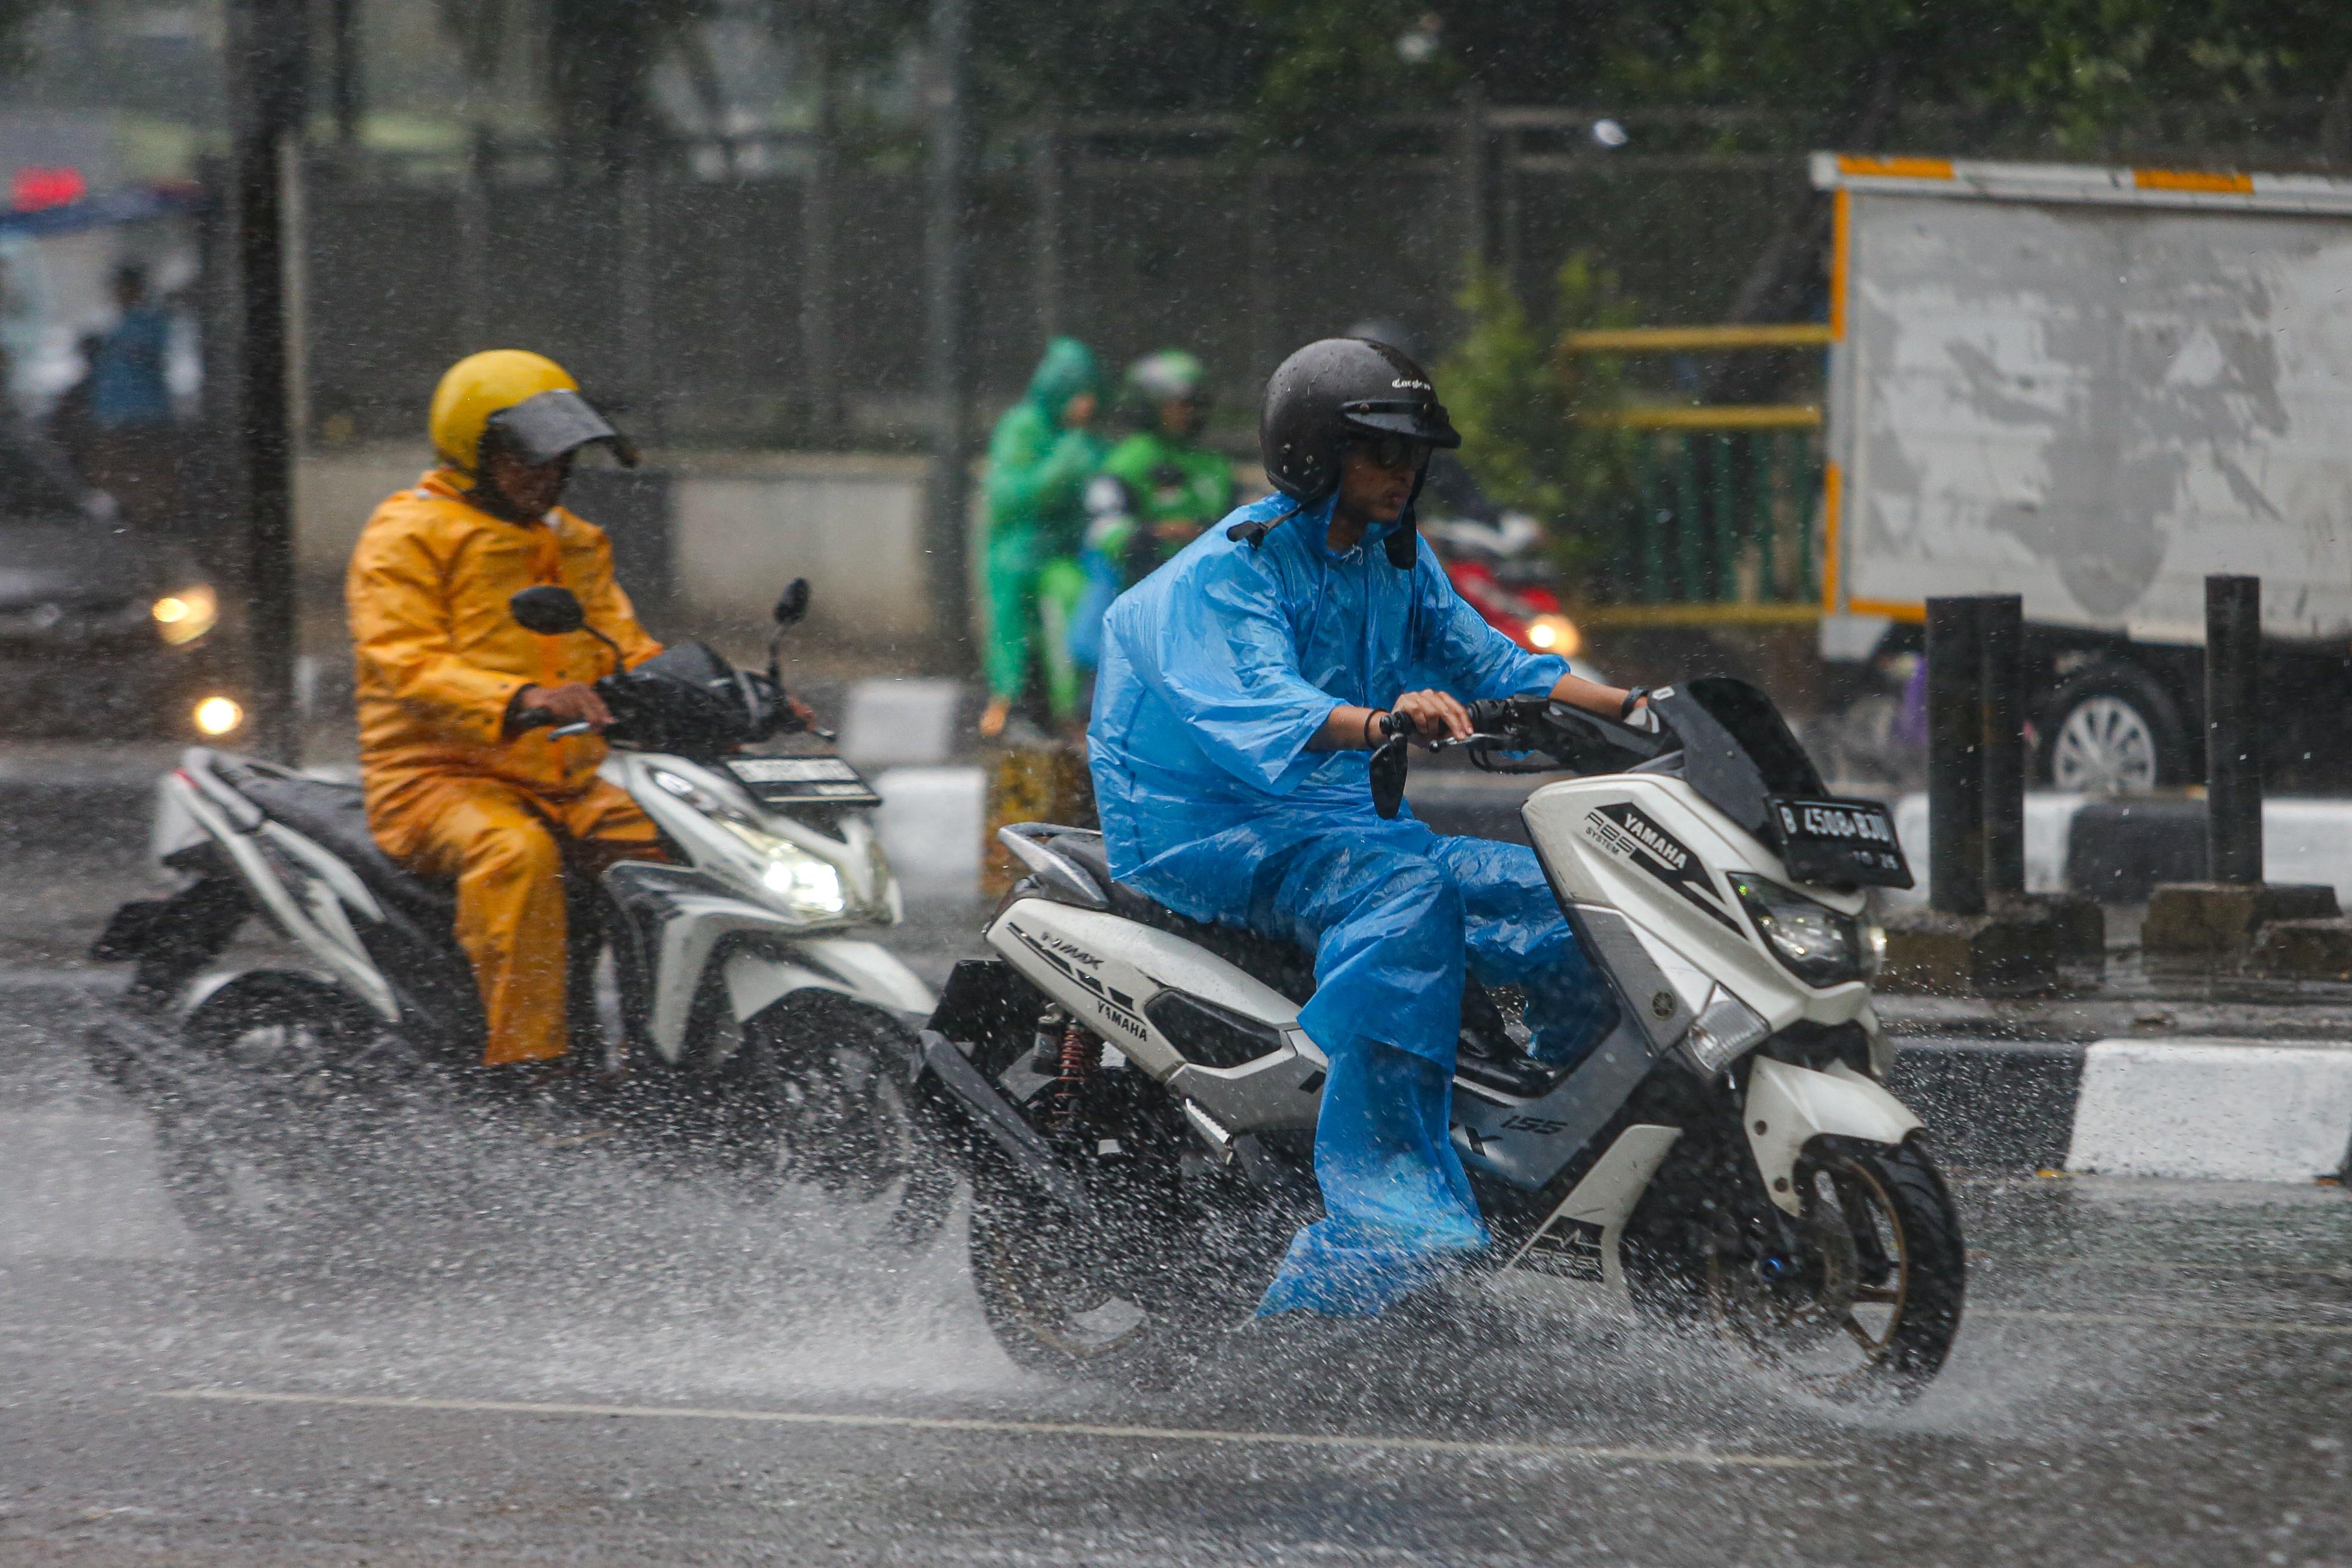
(804, 781)
(1840, 840)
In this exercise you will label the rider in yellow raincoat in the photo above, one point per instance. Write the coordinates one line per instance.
(456, 789)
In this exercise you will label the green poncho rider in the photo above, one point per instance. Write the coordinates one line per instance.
(1038, 464)
(1168, 487)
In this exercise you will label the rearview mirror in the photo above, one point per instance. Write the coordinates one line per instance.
(795, 603)
(548, 609)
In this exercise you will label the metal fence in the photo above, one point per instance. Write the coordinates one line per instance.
(1724, 517)
(764, 291)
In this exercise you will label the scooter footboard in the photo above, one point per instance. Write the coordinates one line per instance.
(1788, 1106)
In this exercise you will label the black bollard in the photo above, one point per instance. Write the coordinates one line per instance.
(1955, 770)
(2234, 763)
(2001, 626)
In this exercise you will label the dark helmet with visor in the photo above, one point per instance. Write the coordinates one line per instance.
(1341, 390)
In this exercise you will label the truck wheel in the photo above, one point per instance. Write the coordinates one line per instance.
(2112, 731)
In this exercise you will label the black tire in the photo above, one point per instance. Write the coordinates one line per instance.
(1871, 1309)
(2111, 729)
(1056, 1297)
(284, 1117)
(818, 1093)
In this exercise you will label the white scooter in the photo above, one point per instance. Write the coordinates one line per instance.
(754, 1005)
(1135, 1100)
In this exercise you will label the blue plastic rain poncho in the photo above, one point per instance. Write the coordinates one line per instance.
(1216, 672)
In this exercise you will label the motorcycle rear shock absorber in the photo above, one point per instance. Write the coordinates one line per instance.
(1081, 1054)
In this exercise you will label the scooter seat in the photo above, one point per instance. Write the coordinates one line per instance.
(335, 816)
(1286, 967)
(1487, 1053)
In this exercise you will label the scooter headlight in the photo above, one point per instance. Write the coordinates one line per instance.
(805, 884)
(802, 883)
(1812, 941)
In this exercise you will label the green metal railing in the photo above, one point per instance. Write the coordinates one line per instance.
(1727, 494)
(1725, 518)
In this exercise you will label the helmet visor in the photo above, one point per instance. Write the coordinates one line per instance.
(1394, 451)
(544, 427)
(1408, 417)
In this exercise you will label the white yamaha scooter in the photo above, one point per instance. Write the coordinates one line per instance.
(754, 1005)
(1135, 1100)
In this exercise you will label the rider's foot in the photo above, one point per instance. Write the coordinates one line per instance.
(991, 720)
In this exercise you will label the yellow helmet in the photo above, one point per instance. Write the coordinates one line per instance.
(482, 387)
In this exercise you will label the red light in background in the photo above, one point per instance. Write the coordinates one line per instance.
(36, 188)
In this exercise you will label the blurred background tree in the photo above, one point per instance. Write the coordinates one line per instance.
(1535, 418)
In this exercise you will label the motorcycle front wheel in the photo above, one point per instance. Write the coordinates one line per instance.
(1858, 1298)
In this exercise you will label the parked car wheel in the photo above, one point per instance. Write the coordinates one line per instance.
(2113, 731)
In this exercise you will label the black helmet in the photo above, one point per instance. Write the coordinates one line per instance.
(1335, 390)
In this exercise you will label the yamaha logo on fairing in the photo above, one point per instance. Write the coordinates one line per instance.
(1114, 1004)
(1629, 835)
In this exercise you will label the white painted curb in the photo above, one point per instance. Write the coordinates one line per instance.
(2216, 1110)
(929, 825)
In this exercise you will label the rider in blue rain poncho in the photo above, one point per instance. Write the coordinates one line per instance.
(1240, 689)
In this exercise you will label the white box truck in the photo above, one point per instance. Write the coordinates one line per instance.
(2092, 387)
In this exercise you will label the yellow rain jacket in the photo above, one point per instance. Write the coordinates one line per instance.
(448, 791)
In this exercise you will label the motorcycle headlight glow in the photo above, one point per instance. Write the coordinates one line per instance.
(184, 616)
(1812, 941)
(802, 883)
(799, 879)
(1555, 634)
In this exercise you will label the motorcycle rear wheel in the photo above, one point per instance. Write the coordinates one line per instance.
(1869, 1304)
(1052, 1297)
(270, 1149)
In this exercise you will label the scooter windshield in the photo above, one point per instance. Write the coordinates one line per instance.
(1738, 751)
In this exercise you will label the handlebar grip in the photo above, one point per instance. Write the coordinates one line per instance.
(1393, 724)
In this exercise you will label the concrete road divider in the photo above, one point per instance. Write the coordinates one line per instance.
(930, 825)
(2209, 1109)
(2226, 1110)
(2117, 850)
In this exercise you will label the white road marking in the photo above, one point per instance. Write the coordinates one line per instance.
(2135, 1320)
(1498, 1450)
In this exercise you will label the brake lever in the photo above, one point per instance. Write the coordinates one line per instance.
(566, 731)
(1449, 742)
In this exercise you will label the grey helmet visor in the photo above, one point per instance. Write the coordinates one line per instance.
(544, 427)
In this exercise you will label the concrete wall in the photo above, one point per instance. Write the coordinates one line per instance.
(743, 524)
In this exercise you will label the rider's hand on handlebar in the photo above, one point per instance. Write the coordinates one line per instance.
(1435, 716)
(571, 703)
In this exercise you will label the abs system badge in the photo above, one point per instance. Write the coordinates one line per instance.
(1625, 833)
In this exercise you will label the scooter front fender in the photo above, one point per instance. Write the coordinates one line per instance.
(759, 977)
(1789, 1107)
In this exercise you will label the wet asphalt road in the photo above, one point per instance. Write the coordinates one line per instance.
(540, 1356)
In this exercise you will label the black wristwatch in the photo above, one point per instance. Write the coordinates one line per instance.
(1632, 700)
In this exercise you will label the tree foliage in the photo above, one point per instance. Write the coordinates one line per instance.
(1513, 388)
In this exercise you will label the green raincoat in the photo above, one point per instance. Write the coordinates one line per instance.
(1037, 473)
